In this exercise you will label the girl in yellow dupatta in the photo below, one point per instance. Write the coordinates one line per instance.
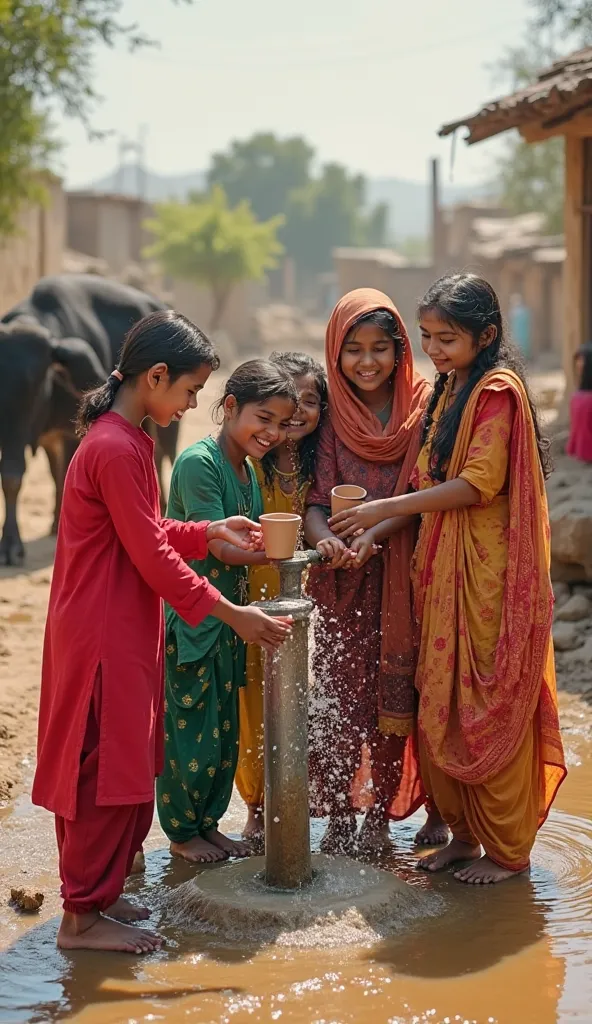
(490, 746)
(284, 477)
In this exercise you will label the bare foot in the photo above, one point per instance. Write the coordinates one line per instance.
(230, 847)
(340, 836)
(198, 851)
(435, 832)
(93, 931)
(255, 827)
(452, 853)
(486, 872)
(123, 910)
(139, 865)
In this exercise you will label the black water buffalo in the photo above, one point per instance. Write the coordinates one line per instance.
(60, 341)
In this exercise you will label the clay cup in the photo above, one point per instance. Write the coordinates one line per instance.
(346, 496)
(280, 533)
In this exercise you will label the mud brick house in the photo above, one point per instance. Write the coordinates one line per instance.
(107, 227)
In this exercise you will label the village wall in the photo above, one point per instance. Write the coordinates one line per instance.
(36, 250)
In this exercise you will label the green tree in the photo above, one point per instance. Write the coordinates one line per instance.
(213, 244)
(328, 213)
(46, 56)
(530, 177)
(321, 212)
(25, 148)
(263, 169)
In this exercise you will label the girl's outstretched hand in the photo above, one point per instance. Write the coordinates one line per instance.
(255, 627)
(353, 521)
(336, 552)
(237, 530)
(364, 547)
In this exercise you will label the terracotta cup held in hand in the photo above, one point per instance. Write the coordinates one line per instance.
(280, 533)
(346, 496)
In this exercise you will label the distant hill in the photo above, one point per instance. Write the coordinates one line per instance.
(408, 201)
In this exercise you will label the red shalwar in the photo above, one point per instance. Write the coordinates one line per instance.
(100, 740)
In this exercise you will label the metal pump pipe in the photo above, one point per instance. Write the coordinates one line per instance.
(287, 822)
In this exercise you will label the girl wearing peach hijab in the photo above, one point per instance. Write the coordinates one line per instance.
(362, 750)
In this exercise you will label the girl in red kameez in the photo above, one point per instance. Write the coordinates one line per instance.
(100, 742)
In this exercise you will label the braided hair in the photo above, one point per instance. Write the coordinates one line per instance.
(468, 302)
(439, 387)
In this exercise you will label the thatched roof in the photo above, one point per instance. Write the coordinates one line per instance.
(560, 92)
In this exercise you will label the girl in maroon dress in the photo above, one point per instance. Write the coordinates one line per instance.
(362, 752)
(101, 737)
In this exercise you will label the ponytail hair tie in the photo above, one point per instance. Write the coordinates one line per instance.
(117, 374)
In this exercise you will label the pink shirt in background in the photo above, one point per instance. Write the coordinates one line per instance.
(580, 435)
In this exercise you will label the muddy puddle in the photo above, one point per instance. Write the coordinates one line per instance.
(517, 954)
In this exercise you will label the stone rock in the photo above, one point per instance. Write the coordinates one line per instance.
(571, 534)
(27, 900)
(581, 655)
(569, 491)
(561, 593)
(575, 609)
(562, 573)
(566, 636)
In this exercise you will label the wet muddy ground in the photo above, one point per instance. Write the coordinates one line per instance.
(516, 954)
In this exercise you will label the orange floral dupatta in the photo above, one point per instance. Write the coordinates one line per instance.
(472, 726)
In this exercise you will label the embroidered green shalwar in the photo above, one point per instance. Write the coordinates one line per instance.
(205, 667)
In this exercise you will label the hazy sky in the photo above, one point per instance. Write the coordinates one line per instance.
(367, 81)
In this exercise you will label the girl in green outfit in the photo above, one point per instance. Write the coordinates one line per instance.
(205, 666)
